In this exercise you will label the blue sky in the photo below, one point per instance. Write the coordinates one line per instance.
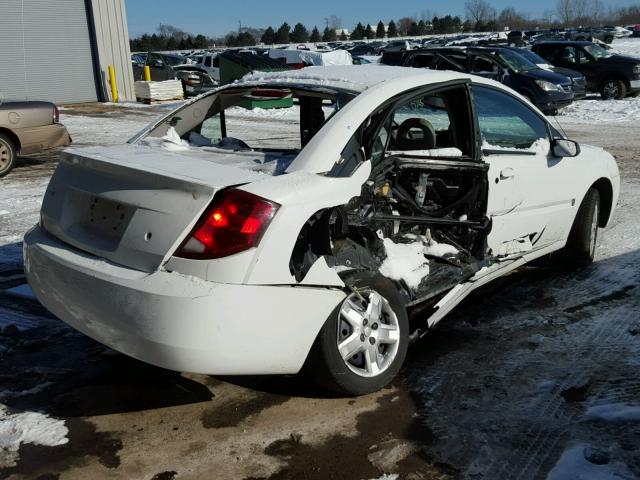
(215, 18)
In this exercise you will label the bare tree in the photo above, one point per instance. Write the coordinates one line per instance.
(510, 18)
(335, 22)
(479, 11)
(565, 11)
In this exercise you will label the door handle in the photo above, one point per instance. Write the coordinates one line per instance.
(507, 173)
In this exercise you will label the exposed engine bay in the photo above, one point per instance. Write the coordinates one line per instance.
(418, 221)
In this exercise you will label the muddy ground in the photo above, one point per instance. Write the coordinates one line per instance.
(508, 386)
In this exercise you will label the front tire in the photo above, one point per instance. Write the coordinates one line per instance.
(581, 244)
(613, 89)
(363, 344)
(7, 155)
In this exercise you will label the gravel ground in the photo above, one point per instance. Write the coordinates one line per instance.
(534, 376)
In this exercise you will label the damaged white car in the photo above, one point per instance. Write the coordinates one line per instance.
(222, 248)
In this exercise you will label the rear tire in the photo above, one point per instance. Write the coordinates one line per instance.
(362, 345)
(8, 155)
(581, 244)
(613, 89)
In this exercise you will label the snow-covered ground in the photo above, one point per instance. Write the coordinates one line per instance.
(593, 109)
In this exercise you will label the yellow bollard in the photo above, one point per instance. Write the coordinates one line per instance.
(147, 73)
(112, 81)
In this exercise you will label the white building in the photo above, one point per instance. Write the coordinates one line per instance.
(60, 50)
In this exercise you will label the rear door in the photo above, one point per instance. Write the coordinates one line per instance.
(529, 204)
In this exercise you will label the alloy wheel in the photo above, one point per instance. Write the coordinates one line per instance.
(611, 90)
(368, 333)
(5, 156)
(594, 230)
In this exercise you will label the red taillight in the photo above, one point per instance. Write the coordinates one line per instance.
(56, 115)
(235, 221)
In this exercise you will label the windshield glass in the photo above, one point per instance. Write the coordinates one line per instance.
(596, 51)
(533, 57)
(175, 60)
(515, 61)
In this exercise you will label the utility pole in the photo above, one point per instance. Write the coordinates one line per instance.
(239, 26)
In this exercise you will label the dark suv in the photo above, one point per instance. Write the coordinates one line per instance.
(547, 90)
(579, 82)
(613, 76)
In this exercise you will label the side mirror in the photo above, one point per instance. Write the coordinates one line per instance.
(562, 147)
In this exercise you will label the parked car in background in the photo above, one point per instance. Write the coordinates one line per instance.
(590, 34)
(161, 66)
(516, 38)
(618, 32)
(258, 254)
(547, 90)
(211, 64)
(364, 50)
(613, 76)
(578, 80)
(28, 127)
(195, 78)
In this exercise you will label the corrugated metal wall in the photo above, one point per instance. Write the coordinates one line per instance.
(112, 41)
(45, 51)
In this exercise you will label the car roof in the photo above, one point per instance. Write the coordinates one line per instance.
(564, 42)
(355, 78)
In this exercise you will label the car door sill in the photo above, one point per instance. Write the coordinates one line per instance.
(482, 277)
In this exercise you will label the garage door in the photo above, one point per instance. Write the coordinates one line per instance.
(45, 51)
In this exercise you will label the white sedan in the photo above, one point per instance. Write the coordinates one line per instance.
(217, 243)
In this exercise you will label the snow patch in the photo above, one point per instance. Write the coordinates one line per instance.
(172, 141)
(615, 412)
(27, 427)
(573, 465)
(540, 146)
(23, 291)
(405, 261)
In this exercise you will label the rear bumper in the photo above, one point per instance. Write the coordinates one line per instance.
(175, 321)
(37, 139)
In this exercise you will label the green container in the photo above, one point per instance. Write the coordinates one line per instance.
(234, 66)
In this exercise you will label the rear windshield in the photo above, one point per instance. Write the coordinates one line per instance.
(251, 119)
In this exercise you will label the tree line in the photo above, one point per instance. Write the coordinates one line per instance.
(480, 16)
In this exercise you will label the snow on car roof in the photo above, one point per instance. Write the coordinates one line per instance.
(351, 77)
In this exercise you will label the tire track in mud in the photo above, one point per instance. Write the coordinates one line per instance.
(590, 339)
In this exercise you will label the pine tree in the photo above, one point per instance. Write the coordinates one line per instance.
(392, 30)
(422, 28)
(369, 33)
(344, 36)
(282, 35)
(315, 35)
(299, 34)
(269, 36)
(358, 32)
(329, 35)
(380, 32)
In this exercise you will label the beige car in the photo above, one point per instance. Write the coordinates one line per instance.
(28, 127)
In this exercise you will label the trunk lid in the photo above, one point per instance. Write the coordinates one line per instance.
(133, 205)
